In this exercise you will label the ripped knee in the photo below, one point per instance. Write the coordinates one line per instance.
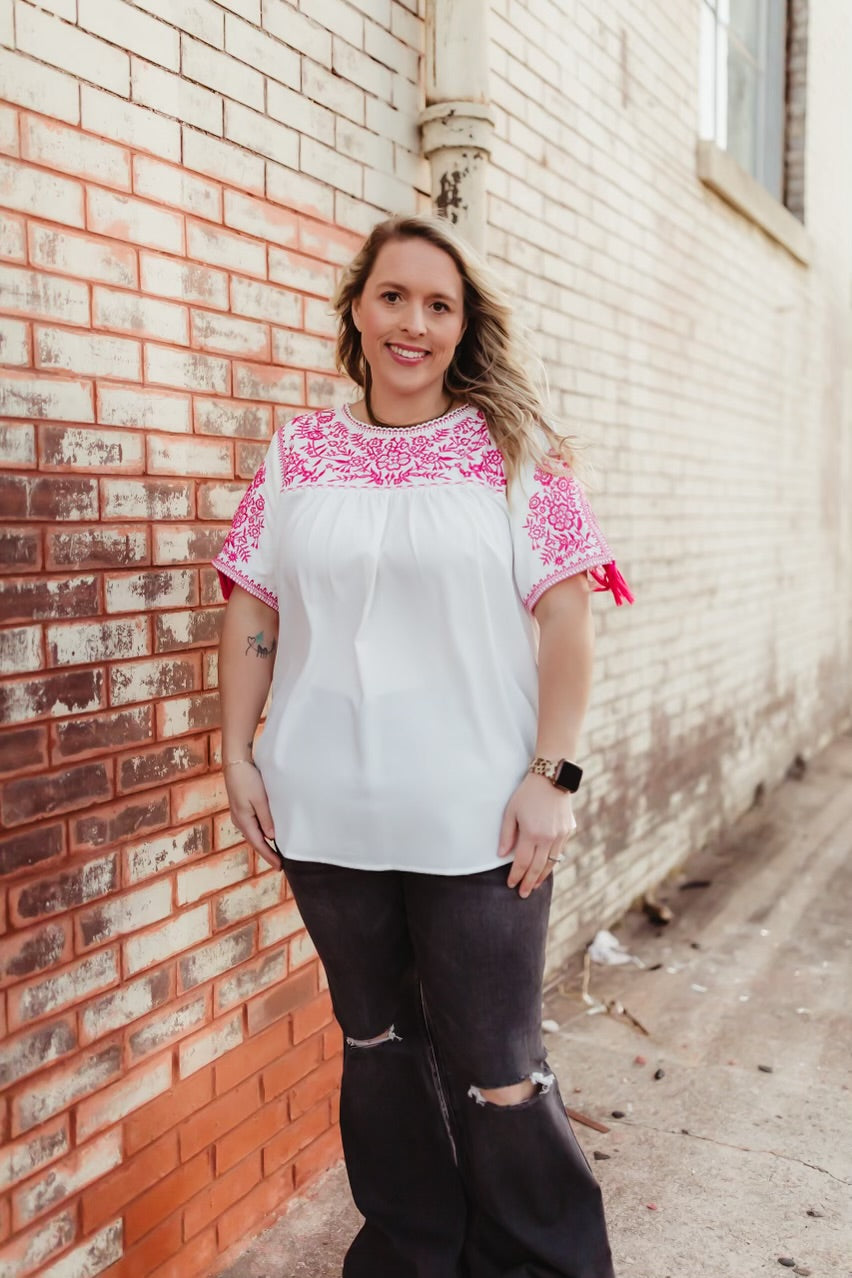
(539, 1083)
(387, 1036)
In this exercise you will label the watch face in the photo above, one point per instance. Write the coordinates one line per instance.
(568, 776)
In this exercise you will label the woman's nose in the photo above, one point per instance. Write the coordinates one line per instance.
(414, 319)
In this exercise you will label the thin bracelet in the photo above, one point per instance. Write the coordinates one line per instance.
(232, 763)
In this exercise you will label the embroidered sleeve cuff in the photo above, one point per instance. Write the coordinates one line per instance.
(606, 576)
(229, 576)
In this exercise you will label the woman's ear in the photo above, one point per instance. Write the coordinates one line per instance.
(356, 308)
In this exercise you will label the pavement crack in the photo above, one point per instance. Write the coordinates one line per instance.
(745, 1149)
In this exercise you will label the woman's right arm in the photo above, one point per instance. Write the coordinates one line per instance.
(246, 658)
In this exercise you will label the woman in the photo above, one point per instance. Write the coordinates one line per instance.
(416, 769)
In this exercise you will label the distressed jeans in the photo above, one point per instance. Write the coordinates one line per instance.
(445, 974)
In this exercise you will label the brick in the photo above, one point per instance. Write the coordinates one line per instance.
(222, 160)
(20, 649)
(87, 353)
(119, 915)
(295, 1137)
(126, 26)
(28, 1253)
(224, 1191)
(200, 18)
(120, 1186)
(99, 547)
(177, 187)
(150, 499)
(249, 456)
(299, 32)
(317, 1086)
(281, 1000)
(219, 501)
(33, 1050)
(15, 343)
(55, 146)
(175, 1023)
(165, 1114)
(74, 254)
(19, 547)
(13, 239)
(261, 51)
(26, 1157)
(302, 950)
(151, 680)
(161, 943)
(266, 302)
(9, 130)
(248, 1214)
(58, 398)
(70, 49)
(111, 824)
(208, 1125)
(29, 798)
(128, 1003)
(17, 449)
(400, 126)
(26, 953)
(300, 350)
(264, 382)
(211, 875)
(332, 1041)
(181, 715)
(249, 980)
(92, 1257)
(39, 599)
(40, 194)
(262, 135)
(99, 734)
(341, 96)
(228, 335)
(164, 1241)
(51, 695)
(120, 1099)
(298, 192)
(279, 924)
(23, 851)
(186, 370)
(233, 251)
(299, 272)
(318, 1156)
(314, 120)
(146, 409)
(144, 316)
(392, 53)
(208, 66)
(249, 1135)
(23, 748)
(184, 281)
(61, 1087)
(176, 96)
(324, 162)
(45, 995)
(159, 765)
(191, 544)
(79, 643)
(144, 591)
(70, 448)
(171, 1192)
(248, 899)
(31, 84)
(64, 891)
(309, 1017)
(211, 960)
(155, 855)
(125, 218)
(322, 389)
(199, 1051)
(187, 629)
(144, 130)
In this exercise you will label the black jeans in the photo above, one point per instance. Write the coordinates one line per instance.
(450, 1185)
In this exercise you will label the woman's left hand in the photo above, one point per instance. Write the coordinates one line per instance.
(537, 824)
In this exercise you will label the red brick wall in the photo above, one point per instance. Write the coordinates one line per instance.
(170, 1066)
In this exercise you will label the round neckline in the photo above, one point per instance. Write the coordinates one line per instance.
(352, 420)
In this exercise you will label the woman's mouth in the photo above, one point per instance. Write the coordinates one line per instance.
(407, 354)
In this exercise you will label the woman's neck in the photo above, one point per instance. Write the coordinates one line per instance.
(383, 409)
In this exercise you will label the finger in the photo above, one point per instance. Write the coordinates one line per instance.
(248, 826)
(524, 854)
(264, 817)
(534, 870)
(508, 833)
(270, 856)
(555, 854)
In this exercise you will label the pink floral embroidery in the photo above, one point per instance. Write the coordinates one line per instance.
(243, 540)
(322, 450)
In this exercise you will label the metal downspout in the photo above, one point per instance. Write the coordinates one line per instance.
(457, 123)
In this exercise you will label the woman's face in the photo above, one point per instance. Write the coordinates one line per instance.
(411, 318)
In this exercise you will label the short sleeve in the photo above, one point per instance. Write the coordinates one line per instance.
(247, 558)
(555, 535)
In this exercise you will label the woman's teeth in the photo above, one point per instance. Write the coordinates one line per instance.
(411, 356)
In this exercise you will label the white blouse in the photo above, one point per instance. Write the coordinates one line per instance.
(404, 697)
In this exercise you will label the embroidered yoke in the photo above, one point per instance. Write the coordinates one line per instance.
(404, 699)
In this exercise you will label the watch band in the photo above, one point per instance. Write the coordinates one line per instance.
(560, 772)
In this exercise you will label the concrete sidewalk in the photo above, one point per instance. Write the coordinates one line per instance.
(740, 1155)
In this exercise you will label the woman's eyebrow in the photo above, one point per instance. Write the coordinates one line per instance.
(400, 288)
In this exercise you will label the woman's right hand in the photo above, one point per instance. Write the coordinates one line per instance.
(250, 809)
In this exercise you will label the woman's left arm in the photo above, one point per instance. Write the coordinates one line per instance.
(538, 818)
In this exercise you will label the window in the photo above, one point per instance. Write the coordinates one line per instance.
(742, 84)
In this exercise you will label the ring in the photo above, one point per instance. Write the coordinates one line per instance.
(561, 857)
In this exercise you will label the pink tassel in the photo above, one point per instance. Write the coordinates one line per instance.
(609, 578)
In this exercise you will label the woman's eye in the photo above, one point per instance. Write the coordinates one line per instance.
(390, 296)
(440, 306)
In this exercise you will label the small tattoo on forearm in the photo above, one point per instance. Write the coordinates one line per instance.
(255, 645)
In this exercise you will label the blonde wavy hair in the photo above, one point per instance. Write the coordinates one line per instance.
(491, 365)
